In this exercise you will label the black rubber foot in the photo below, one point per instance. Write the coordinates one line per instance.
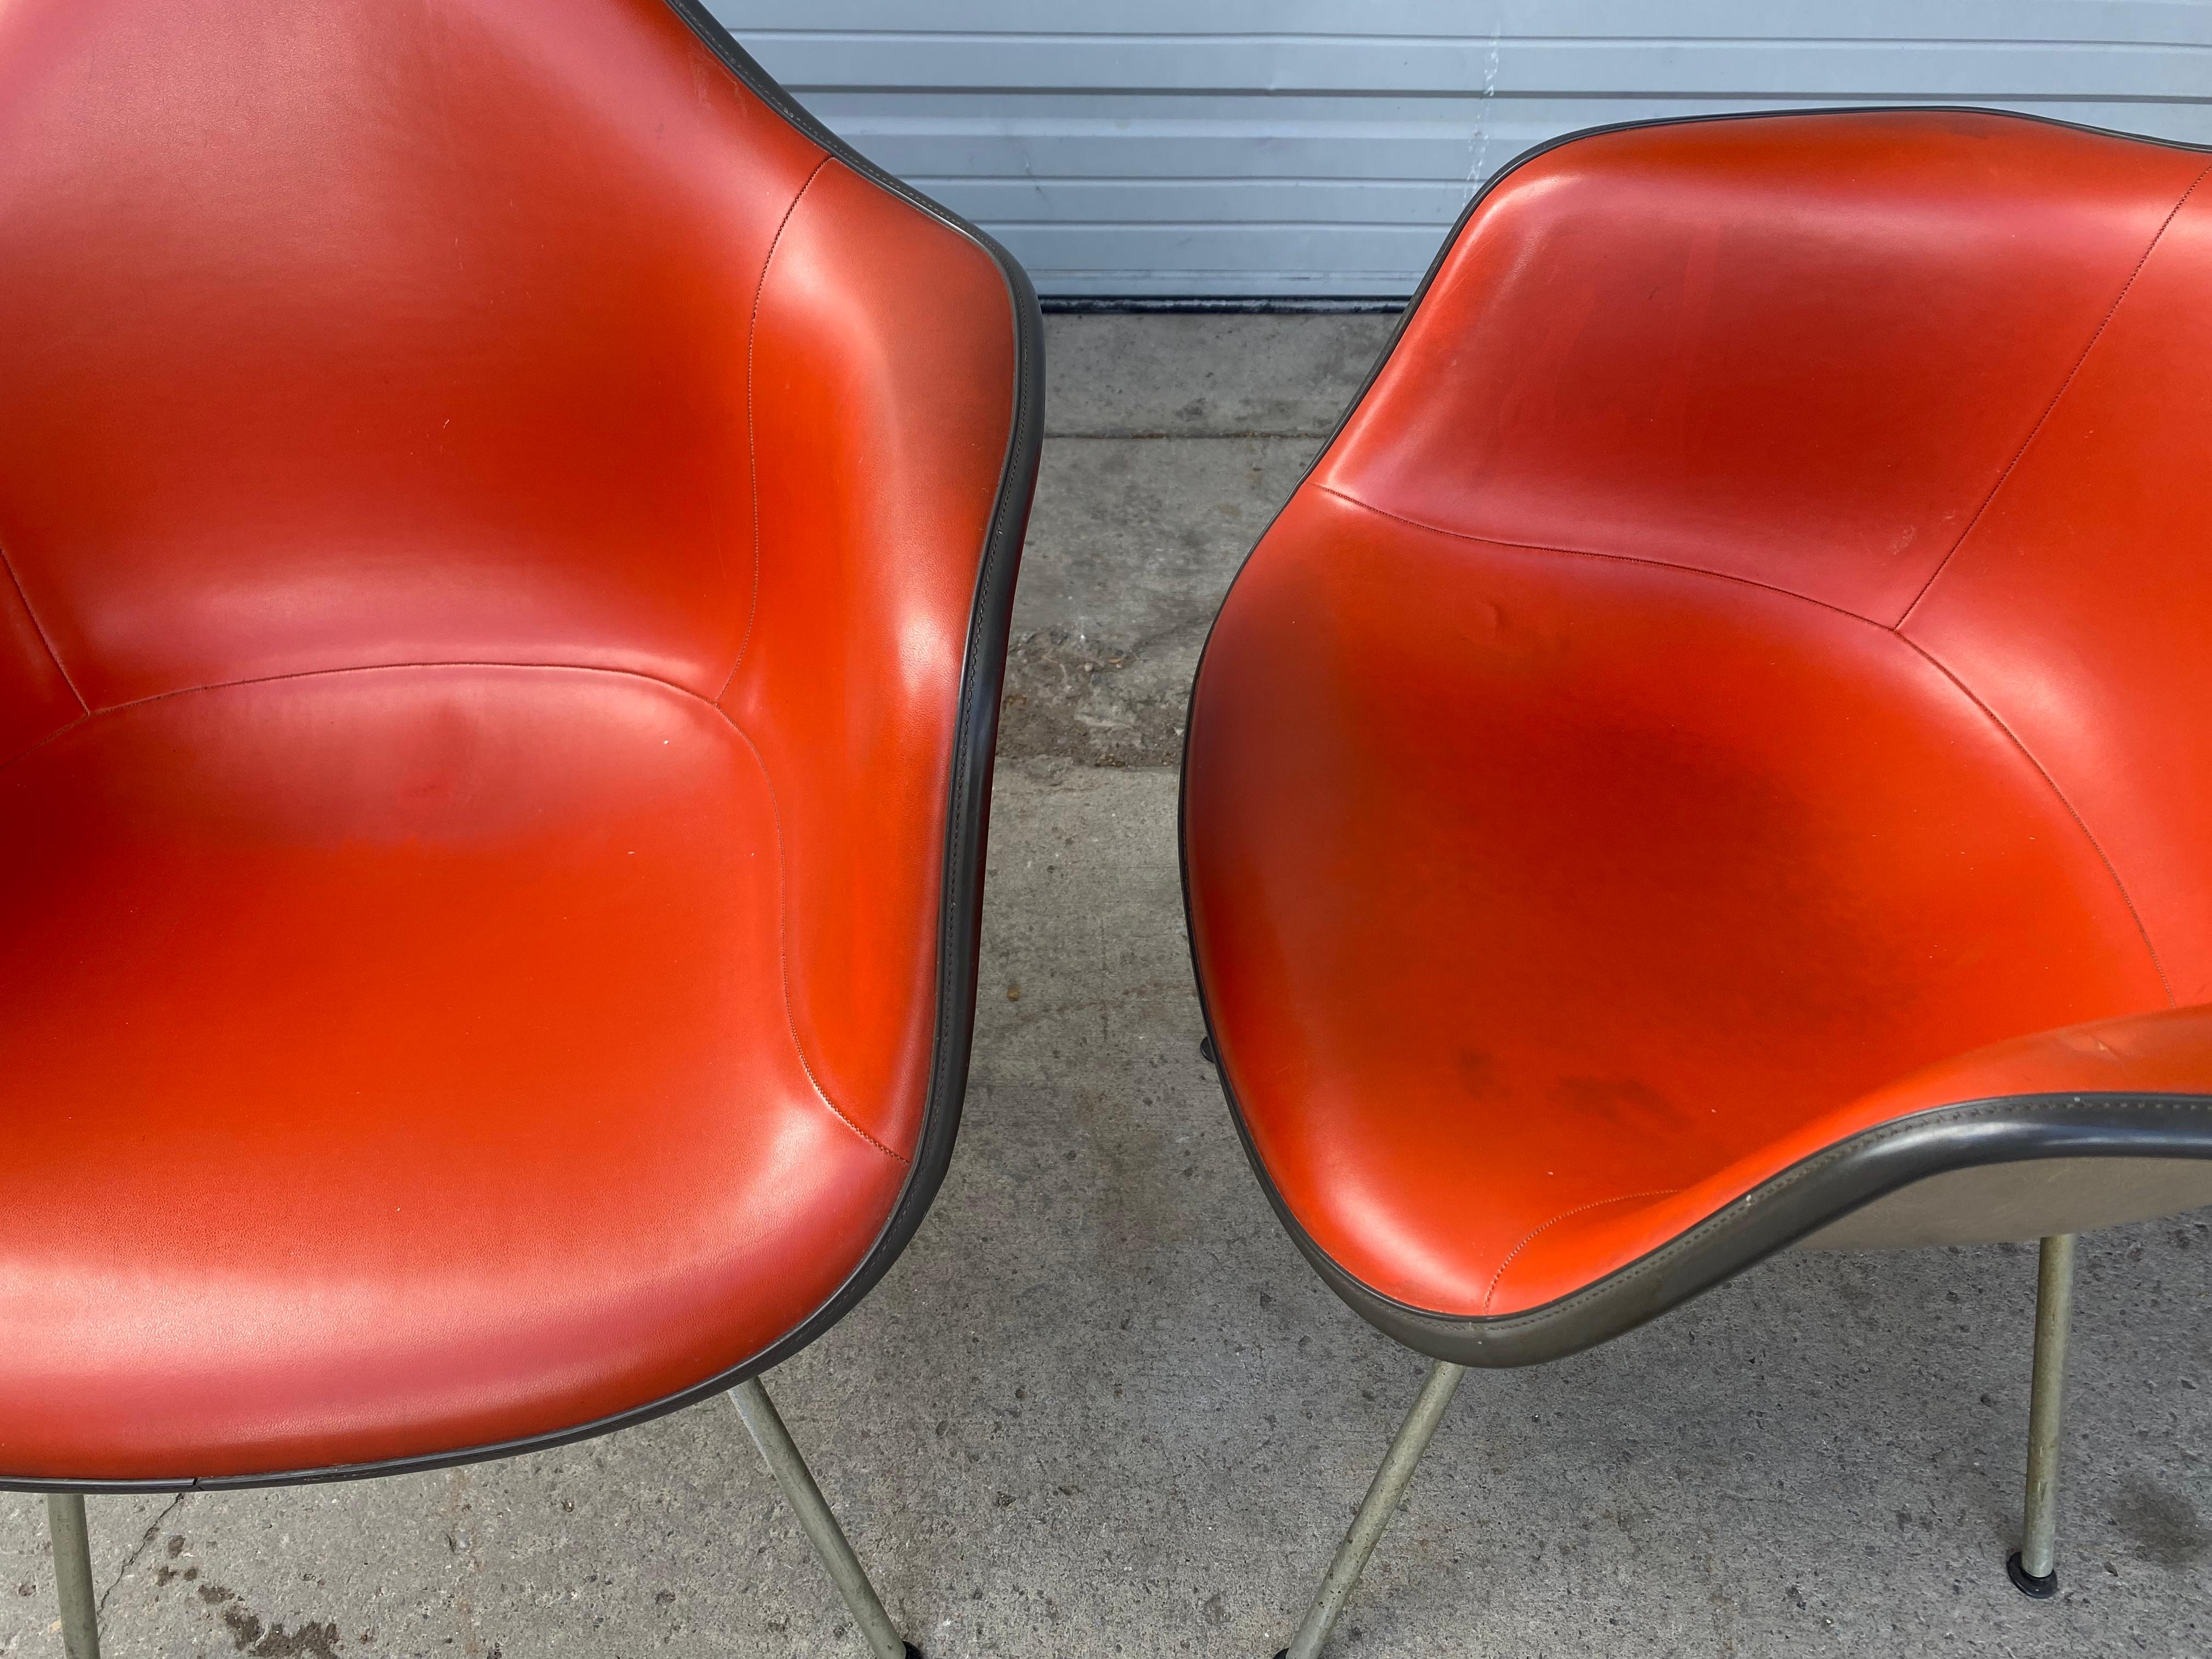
(912, 1651)
(2026, 1583)
(1205, 1053)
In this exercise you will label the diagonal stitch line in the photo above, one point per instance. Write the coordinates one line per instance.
(2057, 397)
(2088, 834)
(752, 448)
(45, 639)
(783, 948)
(1589, 553)
(58, 732)
(1490, 1295)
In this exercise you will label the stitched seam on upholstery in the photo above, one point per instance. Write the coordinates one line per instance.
(44, 638)
(2057, 397)
(1767, 1191)
(1490, 1295)
(380, 668)
(1894, 630)
(2088, 834)
(775, 809)
(783, 947)
(1591, 553)
(351, 668)
(752, 448)
(58, 732)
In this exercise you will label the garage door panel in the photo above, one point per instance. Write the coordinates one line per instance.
(1302, 148)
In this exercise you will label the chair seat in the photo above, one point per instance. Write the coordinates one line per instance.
(399, 1062)
(1546, 902)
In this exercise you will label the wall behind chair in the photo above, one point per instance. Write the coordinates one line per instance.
(1312, 150)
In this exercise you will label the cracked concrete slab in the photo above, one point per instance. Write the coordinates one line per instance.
(1175, 441)
(1133, 544)
(1205, 376)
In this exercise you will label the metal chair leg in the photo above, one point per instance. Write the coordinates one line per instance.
(816, 1521)
(73, 1574)
(2033, 1566)
(1374, 1512)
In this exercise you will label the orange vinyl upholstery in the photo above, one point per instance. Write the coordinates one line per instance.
(508, 530)
(1745, 647)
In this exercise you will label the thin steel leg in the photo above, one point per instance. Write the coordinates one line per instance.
(73, 1574)
(2033, 1567)
(1374, 1512)
(815, 1520)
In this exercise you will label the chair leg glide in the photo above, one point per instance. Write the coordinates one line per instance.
(2033, 1567)
(816, 1522)
(1375, 1511)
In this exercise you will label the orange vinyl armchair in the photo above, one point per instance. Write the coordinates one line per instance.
(509, 534)
(1717, 755)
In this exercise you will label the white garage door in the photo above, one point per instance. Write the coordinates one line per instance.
(1317, 149)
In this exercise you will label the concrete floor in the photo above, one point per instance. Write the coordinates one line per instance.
(1102, 1407)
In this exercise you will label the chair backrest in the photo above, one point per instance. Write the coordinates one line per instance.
(351, 335)
(1945, 372)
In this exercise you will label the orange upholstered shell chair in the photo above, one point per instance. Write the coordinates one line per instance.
(509, 530)
(1718, 753)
